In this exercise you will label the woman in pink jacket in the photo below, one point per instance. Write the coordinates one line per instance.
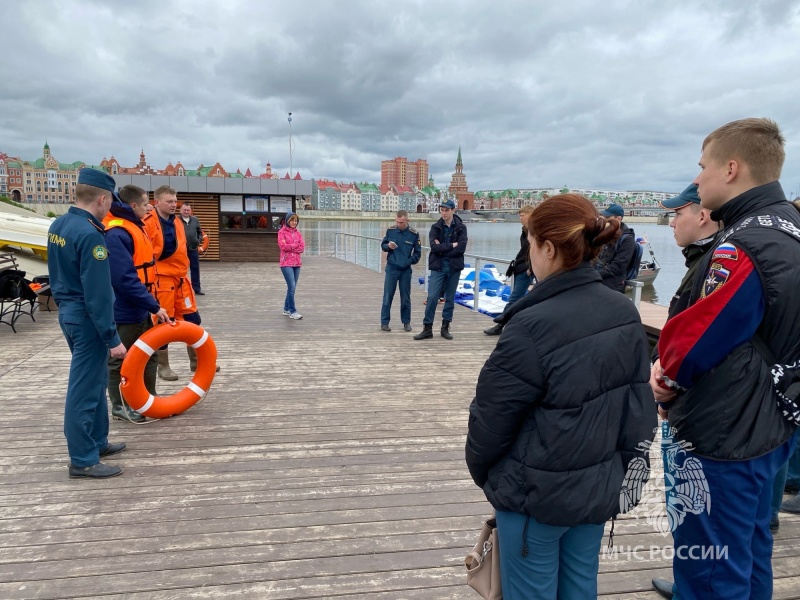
(291, 243)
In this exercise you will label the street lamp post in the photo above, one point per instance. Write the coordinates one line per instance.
(291, 171)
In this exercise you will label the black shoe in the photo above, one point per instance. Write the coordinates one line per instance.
(496, 330)
(792, 505)
(127, 414)
(446, 330)
(426, 333)
(385, 328)
(113, 449)
(199, 293)
(663, 587)
(791, 488)
(98, 471)
(774, 523)
(406, 326)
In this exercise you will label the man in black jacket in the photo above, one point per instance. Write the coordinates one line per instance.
(694, 232)
(194, 236)
(716, 385)
(615, 258)
(448, 240)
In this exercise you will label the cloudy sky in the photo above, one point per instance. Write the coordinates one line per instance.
(615, 94)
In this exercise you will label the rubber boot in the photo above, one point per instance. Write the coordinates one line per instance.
(193, 359)
(120, 409)
(446, 330)
(164, 371)
(426, 333)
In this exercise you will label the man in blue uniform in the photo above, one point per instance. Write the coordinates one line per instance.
(80, 279)
(404, 249)
(713, 378)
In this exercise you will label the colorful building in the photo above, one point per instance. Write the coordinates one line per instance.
(370, 197)
(44, 180)
(399, 171)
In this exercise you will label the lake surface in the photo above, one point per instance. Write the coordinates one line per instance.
(501, 241)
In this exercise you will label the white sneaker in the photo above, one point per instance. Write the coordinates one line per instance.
(295, 315)
(287, 312)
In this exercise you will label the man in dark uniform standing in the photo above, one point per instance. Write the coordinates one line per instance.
(404, 250)
(194, 236)
(80, 279)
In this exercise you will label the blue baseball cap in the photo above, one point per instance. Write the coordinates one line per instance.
(97, 179)
(685, 198)
(448, 204)
(613, 210)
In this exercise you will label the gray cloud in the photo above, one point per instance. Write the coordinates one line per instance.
(614, 95)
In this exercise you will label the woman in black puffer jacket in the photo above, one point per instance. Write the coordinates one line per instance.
(560, 408)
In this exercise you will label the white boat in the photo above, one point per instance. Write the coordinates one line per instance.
(22, 231)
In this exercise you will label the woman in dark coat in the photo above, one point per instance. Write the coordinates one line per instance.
(560, 408)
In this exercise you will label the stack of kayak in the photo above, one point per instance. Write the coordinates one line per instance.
(494, 292)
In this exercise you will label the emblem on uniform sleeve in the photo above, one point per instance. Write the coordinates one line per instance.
(100, 253)
(716, 278)
(726, 251)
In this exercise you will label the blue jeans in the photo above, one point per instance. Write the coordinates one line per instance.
(521, 284)
(741, 498)
(291, 275)
(390, 281)
(85, 410)
(441, 283)
(194, 268)
(562, 562)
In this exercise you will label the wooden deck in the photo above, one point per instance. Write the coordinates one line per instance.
(327, 461)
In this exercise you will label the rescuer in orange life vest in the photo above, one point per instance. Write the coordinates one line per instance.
(133, 278)
(173, 286)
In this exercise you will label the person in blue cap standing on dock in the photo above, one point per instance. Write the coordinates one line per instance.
(80, 280)
(448, 240)
(402, 244)
(616, 257)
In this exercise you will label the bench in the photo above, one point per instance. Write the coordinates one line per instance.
(16, 296)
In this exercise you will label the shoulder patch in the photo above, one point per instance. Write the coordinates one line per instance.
(100, 253)
(726, 251)
(716, 278)
(412, 230)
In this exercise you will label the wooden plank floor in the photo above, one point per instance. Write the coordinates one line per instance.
(327, 462)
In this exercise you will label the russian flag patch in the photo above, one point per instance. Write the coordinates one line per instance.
(726, 251)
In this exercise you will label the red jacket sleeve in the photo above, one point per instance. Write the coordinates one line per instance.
(728, 313)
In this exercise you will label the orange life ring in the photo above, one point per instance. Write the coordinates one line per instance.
(132, 371)
(203, 244)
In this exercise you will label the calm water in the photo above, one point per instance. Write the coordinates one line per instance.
(496, 240)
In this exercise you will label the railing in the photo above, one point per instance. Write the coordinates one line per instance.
(366, 251)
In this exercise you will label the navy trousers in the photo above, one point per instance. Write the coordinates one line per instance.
(85, 411)
(441, 283)
(194, 268)
(521, 284)
(735, 532)
(391, 280)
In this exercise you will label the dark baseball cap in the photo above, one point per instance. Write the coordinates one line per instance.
(685, 198)
(613, 210)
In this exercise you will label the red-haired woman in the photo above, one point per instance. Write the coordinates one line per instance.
(559, 410)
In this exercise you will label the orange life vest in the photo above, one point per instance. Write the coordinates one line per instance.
(143, 257)
(176, 265)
